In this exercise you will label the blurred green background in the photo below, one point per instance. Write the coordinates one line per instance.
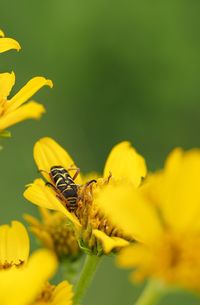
(121, 70)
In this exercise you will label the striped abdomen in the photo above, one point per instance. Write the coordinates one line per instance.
(65, 185)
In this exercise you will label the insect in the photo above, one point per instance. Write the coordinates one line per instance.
(65, 186)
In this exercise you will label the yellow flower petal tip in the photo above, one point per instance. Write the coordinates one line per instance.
(7, 44)
(35, 110)
(48, 153)
(1, 34)
(109, 243)
(27, 91)
(31, 110)
(43, 81)
(50, 83)
(63, 294)
(124, 162)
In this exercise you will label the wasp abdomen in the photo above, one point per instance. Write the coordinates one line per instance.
(69, 192)
(65, 185)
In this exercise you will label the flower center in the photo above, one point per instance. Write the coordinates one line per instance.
(91, 217)
(7, 265)
(55, 233)
(176, 259)
(62, 236)
(46, 294)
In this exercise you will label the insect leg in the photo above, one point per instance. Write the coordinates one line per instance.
(59, 197)
(42, 170)
(55, 189)
(109, 177)
(84, 187)
(57, 193)
(76, 173)
(91, 181)
(51, 185)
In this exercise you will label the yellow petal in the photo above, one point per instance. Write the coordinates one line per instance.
(109, 243)
(63, 294)
(21, 286)
(7, 81)
(43, 196)
(48, 153)
(27, 92)
(173, 163)
(31, 110)
(14, 243)
(125, 163)
(129, 211)
(180, 192)
(8, 44)
(2, 33)
(133, 255)
(45, 214)
(33, 221)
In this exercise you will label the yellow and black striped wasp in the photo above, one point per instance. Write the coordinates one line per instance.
(64, 185)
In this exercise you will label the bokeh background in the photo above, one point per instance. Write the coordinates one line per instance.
(122, 70)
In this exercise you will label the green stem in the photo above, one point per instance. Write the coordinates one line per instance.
(151, 294)
(86, 276)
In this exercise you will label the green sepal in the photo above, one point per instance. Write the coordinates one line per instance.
(97, 251)
(84, 247)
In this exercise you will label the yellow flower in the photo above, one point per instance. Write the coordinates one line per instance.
(8, 43)
(61, 294)
(14, 245)
(55, 234)
(93, 230)
(13, 111)
(163, 215)
(23, 280)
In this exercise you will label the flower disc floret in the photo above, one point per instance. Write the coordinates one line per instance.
(55, 233)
